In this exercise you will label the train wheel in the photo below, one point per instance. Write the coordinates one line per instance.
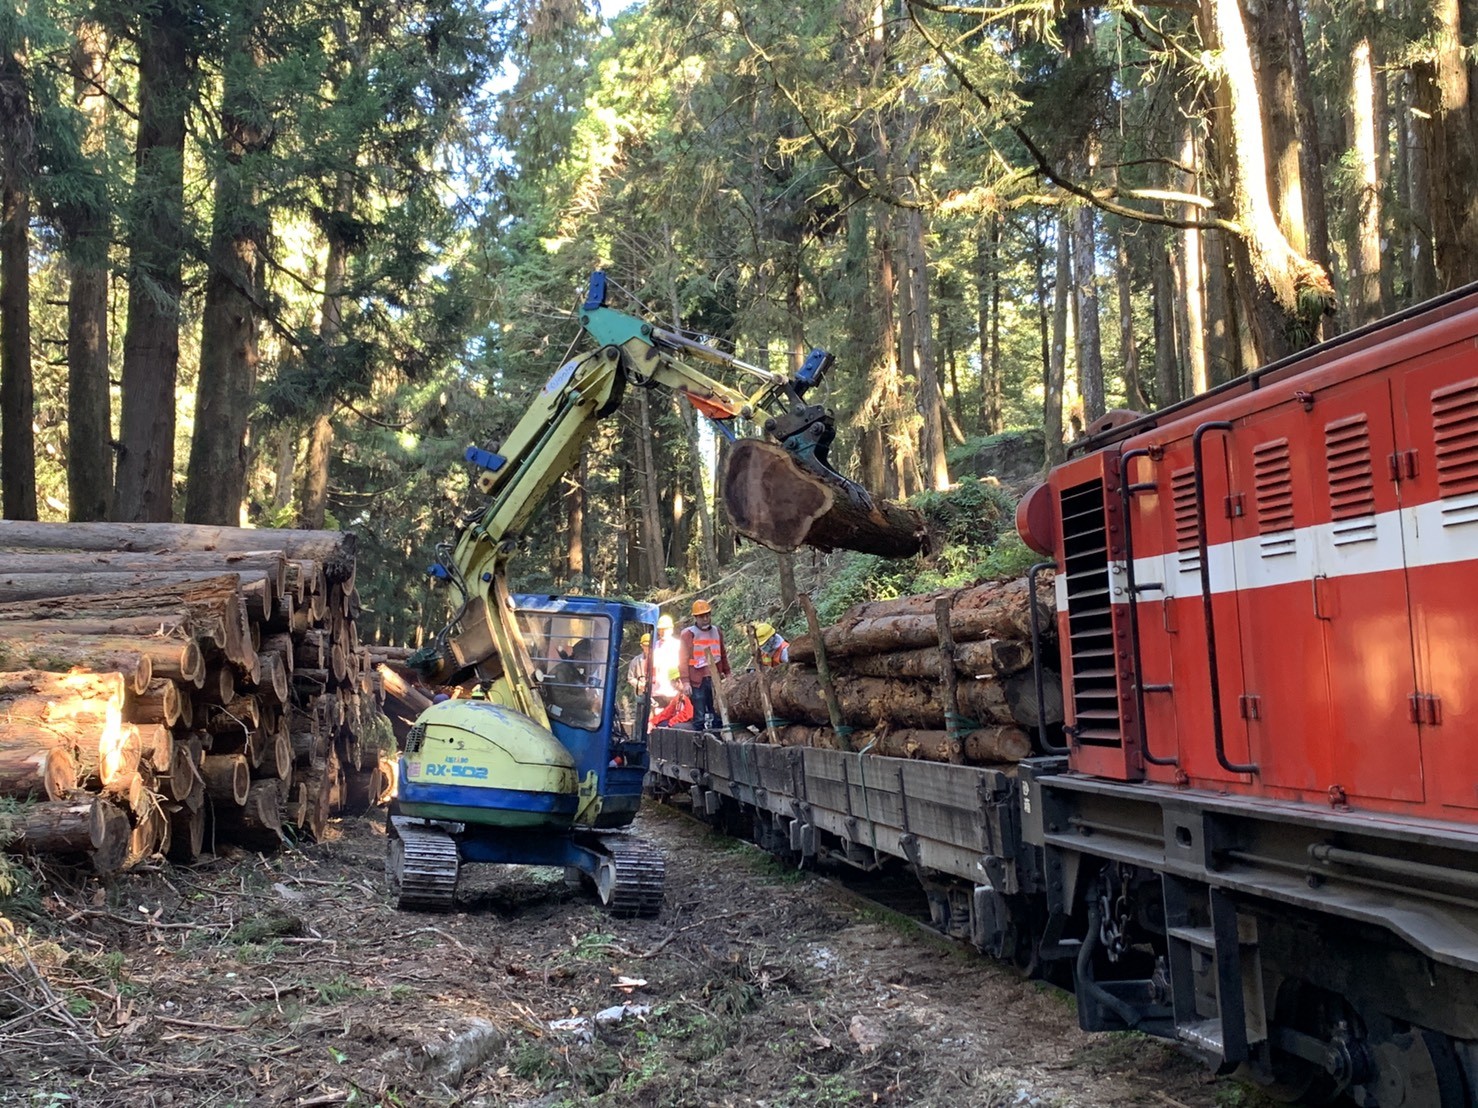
(1417, 1067)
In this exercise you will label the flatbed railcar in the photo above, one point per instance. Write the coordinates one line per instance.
(1262, 838)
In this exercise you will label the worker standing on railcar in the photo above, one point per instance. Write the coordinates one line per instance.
(701, 655)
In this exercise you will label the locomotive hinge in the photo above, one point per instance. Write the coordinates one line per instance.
(1425, 708)
(1236, 506)
(1403, 465)
(1250, 705)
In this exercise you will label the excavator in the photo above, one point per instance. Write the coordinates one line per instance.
(542, 766)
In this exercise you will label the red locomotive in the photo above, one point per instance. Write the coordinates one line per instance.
(1263, 840)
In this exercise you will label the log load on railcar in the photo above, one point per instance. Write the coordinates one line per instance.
(1264, 836)
(1261, 839)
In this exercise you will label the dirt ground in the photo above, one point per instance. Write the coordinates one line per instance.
(289, 980)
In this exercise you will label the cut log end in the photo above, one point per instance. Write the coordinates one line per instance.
(777, 504)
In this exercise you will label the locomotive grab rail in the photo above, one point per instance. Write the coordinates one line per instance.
(1203, 551)
(1031, 603)
(1126, 491)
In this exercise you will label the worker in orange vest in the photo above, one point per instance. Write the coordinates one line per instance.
(774, 650)
(700, 656)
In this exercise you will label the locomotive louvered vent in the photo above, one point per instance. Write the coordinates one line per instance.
(1187, 531)
(1351, 479)
(1095, 685)
(1455, 433)
(1272, 476)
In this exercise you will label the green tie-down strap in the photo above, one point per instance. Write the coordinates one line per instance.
(953, 721)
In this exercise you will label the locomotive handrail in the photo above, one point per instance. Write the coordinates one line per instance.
(1031, 603)
(1203, 551)
(1126, 491)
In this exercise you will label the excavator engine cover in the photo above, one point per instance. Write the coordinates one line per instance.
(473, 761)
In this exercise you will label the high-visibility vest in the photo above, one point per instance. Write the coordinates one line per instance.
(775, 656)
(706, 646)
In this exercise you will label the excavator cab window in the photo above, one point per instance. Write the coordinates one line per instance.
(569, 653)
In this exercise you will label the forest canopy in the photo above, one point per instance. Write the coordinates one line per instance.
(279, 264)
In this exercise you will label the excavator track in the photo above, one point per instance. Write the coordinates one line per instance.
(630, 877)
(421, 866)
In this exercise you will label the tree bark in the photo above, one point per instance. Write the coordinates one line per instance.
(151, 342)
(228, 333)
(1167, 347)
(1419, 199)
(1365, 276)
(1445, 123)
(987, 299)
(1052, 421)
(17, 386)
(980, 658)
(1134, 395)
(1286, 294)
(771, 500)
(984, 746)
(650, 496)
(1192, 279)
(797, 695)
(334, 550)
(85, 227)
(930, 398)
(60, 827)
(996, 610)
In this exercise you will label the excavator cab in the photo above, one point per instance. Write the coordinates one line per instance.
(483, 783)
(582, 648)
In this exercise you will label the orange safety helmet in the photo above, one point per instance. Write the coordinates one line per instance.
(702, 607)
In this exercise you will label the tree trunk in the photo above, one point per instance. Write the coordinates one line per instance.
(1192, 279)
(228, 333)
(1418, 199)
(996, 610)
(981, 658)
(151, 342)
(797, 696)
(1272, 24)
(985, 746)
(708, 554)
(60, 827)
(334, 550)
(1365, 256)
(1052, 421)
(650, 495)
(771, 500)
(574, 504)
(987, 294)
(313, 501)
(1445, 123)
(1223, 350)
(930, 402)
(17, 386)
(1134, 395)
(1167, 348)
(1286, 294)
(785, 569)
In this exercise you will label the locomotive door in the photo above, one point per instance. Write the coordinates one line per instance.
(1285, 698)
(1439, 469)
(1185, 615)
(1358, 587)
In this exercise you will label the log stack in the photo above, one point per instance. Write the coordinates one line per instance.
(887, 671)
(169, 689)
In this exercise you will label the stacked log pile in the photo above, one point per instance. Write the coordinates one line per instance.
(883, 664)
(173, 689)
